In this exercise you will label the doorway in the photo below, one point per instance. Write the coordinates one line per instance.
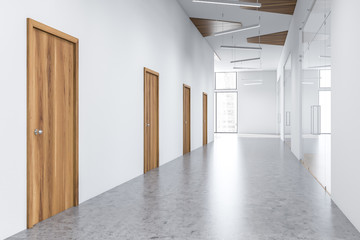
(151, 120)
(52, 122)
(186, 119)
(205, 121)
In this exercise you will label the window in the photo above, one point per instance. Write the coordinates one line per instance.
(226, 112)
(325, 100)
(225, 81)
(325, 119)
(325, 79)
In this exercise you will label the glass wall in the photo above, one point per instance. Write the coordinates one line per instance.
(316, 93)
(278, 107)
(287, 101)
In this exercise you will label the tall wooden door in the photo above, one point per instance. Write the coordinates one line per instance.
(151, 120)
(52, 122)
(205, 122)
(186, 119)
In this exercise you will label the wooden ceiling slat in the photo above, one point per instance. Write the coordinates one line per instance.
(278, 38)
(207, 27)
(275, 6)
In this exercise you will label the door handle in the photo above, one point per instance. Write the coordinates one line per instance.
(316, 120)
(319, 120)
(38, 132)
(148, 124)
(287, 119)
(312, 120)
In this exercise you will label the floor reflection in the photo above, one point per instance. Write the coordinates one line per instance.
(241, 188)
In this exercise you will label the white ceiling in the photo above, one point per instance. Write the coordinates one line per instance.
(270, 23)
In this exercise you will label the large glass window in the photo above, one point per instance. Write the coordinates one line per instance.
(325, 78)
(325, 104)
(225, 81)
(226, 112)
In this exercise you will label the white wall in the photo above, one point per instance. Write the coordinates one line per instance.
(117, 39)
(345, 108)
(257, 103)
(292, 46)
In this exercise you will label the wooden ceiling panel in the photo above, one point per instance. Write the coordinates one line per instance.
(207, 27)
(271, 39)
(275, 6)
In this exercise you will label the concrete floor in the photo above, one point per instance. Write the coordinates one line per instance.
(235, 188)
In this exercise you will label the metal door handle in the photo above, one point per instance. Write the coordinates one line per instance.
(38, 132)
(287, 119)
(316, 120)
(148, 124)
(312, 120)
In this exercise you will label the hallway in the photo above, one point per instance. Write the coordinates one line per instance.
(234, 188)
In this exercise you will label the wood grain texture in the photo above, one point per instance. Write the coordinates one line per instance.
(275, 6)
(186, 119)
(151, 120)
(205, 119)
(52, 105)
(278, 38)
(208, 27)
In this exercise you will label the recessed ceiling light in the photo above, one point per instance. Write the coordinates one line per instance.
(230, 3)
(236, 30)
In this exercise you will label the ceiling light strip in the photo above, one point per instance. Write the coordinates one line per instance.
(245, 60)
(308, 83)
(250, 84)
(230, 3)
(236, 30)
(251, 80)
(245, 68)
(323, 66)
(240, 47)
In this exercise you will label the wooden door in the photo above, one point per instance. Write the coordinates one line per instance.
(205, 125)
(186, 119)
(52, 122)
(151, 120)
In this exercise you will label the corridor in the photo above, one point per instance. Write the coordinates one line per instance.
(233, 188)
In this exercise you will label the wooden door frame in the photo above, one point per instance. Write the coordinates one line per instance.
(31, 25)
(188, 87)
(205, 132)
(147, 70)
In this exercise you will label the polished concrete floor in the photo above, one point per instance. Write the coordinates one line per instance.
(235, 188)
